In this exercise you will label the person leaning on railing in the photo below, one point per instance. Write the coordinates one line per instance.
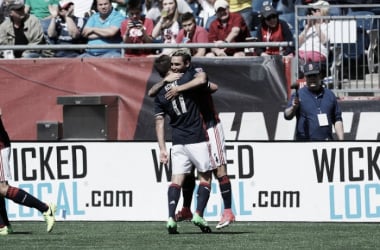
(21, 29)
(273, 29)
(103, 28)
(227, 28)
(192, 33)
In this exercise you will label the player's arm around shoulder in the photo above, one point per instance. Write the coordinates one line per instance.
(200, 79)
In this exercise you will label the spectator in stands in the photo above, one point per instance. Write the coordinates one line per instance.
(244, 8)
(121, 6)
(65, 28)
(82, 8)
(167, 28)
(273, 29)
(313, 39)
(287, 8)
(154, 12)
(315, 108)
(103, 27)
(192, 33)
(3, 11)
(227, 28)
(40, 9)
(136, 29)
(21, 29)
(207, 13)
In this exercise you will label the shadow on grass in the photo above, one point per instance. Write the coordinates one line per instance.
(218, 232)
(22, 233)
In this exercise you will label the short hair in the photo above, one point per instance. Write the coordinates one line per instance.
(187, 16)
(184, 53)
(162, 64)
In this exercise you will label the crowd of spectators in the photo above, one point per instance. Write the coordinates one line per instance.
(98, 22)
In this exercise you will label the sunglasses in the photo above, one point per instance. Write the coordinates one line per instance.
(315, 10)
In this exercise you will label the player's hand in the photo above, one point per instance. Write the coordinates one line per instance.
(172, 93)
(164, 157)
(171, 77)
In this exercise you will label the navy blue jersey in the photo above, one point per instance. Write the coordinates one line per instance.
(185, 118)
(311, 105)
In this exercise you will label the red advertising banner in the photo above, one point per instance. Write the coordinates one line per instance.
(252, 95)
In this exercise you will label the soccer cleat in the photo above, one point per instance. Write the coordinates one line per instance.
(4, 230)
(184, 214)
(201, 223)
(49, 217)
(172, 226)
(227, 218)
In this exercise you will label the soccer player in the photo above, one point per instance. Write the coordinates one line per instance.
(15, 194)
(189, 140)
(216, 143)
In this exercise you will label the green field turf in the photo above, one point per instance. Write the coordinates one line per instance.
(153, 235)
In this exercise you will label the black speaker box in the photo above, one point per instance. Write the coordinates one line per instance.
(89, 117)
(49, 131)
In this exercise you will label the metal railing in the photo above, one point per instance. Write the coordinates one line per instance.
(124, 46)
(352, 65)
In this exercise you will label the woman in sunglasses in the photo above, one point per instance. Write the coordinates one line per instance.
(273, 29)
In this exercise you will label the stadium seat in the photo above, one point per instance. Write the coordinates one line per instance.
(354, 54)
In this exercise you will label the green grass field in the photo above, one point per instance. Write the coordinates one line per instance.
(153, 235)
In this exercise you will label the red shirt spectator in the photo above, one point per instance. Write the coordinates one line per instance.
(191, 33)
(228, 27)
(136, 29)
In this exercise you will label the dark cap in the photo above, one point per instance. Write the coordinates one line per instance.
(268, 10)
(15, 4)
(311, 69)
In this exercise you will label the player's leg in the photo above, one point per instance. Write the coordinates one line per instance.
(200, 157)
(188, 186)
(180, 167)
(4, 220)
(228, 216)
(5, 227)
(20, 196)
(219, 159)
(174, 192)
(203, 196)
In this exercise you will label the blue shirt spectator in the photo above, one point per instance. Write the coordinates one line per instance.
(103, 27)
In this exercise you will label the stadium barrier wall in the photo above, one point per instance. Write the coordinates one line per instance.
(271, 181)
(251, 97)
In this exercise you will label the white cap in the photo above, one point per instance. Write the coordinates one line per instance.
(320, 3)
(220, 4)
